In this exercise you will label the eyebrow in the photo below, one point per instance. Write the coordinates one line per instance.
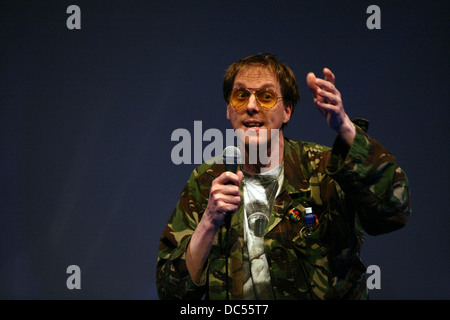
(265, 85)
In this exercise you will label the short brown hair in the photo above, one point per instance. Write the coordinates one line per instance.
(286, 78)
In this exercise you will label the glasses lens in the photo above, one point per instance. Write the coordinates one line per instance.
(266, 97)
(239, 97)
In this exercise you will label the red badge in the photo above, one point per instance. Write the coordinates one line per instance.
(295, 215)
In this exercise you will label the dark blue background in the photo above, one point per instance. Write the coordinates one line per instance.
(86, 118)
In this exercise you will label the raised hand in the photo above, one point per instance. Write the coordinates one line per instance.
(328, 100)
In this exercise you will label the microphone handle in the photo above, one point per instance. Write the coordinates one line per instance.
(231, 167)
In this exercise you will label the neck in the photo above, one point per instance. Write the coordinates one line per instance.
(268, 156)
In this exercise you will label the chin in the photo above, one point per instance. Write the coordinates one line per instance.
(255, 142)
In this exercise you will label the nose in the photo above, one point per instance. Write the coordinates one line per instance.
(252, 105)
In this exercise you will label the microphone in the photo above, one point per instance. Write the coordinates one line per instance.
(231, 156)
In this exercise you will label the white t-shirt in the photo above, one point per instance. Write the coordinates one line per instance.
(260, 191)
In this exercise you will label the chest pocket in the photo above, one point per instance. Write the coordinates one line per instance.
(315, 243)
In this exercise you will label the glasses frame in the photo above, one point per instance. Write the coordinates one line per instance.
(256, 97)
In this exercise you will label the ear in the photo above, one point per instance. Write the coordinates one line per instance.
(287, 113)
(228, 112)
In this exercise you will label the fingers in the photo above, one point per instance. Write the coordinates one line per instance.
(326, 93)
(225, 195)
(326, 96)
(329, 93)
(229, 177)
(328, 82)
(311, 81)
(329, 102)
(329, 76)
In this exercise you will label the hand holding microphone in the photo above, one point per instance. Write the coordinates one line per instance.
(224, 200)
(224, 196)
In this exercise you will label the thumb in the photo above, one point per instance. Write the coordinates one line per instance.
(240, 175)
(311, 82)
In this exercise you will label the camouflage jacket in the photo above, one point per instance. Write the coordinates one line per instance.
(350, 190)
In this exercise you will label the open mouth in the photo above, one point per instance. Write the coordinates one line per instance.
(253, 124)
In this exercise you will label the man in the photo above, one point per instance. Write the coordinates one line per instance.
(263, 252)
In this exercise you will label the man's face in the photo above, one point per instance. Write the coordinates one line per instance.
(251, 118)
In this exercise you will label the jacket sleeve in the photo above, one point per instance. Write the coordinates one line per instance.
(173, 280)
(371, 178)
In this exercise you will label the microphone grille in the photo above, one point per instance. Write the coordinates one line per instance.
(232, 153)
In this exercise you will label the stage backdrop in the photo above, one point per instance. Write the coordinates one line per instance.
(90, 96)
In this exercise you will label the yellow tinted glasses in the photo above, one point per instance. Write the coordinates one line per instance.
(267, 98)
